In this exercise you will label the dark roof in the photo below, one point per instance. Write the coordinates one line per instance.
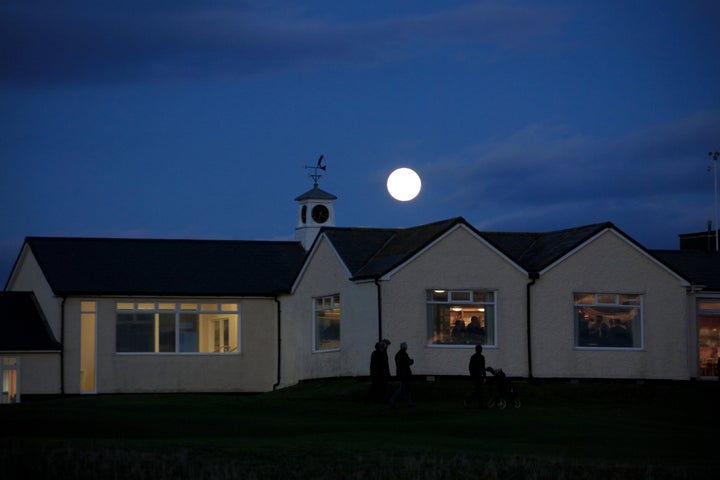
(23, 326)
(536, 251)
(97, 266)
(315, 194)
(699, 268)
(371, 253)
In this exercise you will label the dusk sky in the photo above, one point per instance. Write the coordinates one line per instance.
(194, 119)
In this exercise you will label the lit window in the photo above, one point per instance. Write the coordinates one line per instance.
(9, 367)
(461, 317)
(605, 320)
(176, 328)
(327, 323)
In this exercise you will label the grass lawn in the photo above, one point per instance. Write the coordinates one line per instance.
(323, 429)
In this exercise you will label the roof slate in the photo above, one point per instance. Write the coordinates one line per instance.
(95, 266)
(701, 268)
(23, 327)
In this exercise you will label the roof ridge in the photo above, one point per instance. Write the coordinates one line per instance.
(153, 240)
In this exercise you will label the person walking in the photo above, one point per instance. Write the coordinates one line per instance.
(477, 375)
(403, 373)
(379, 374)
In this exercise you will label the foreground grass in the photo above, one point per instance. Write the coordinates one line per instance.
(325, 430)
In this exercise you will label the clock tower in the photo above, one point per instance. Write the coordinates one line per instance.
(315, 210)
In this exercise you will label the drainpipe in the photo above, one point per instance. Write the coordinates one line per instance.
(533, 277)
(279, 342)
(379, 310)
(62, 346)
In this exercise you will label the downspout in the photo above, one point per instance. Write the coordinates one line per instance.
(279, 343)
(533, 277)
(62, 346)
(379, 310)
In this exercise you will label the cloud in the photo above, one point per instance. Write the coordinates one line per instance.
(550, 175)
(110, 42)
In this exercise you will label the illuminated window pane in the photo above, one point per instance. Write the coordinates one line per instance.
(146, 306)
(228, 307)
(125, 306)
(166, 306)
(327, 323)
(87, 306)
(189, 332)
(453, 319)
(209, 307)
(188, 306)
(614, 321)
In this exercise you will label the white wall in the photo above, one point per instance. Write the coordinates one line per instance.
(252, 370)
(326, 275)
(459, 261)
(610, 265)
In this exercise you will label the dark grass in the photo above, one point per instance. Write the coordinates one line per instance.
(324, 429)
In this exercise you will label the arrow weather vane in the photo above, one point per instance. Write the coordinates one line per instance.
(315, 175)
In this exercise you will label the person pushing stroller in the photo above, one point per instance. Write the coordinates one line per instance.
(502, 390)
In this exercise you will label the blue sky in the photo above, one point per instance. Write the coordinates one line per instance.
(194, 119)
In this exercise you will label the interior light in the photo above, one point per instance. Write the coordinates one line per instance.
(456, 309)
(481, 309)
(439, 291)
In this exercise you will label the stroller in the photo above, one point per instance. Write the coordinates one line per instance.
(502, 390)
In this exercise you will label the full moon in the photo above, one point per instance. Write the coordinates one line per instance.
(404, 184)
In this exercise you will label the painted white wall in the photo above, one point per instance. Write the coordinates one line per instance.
(459, 261)
(39, 373)
(28, 277)
(253, 369)
(610, 264)
(325, 275)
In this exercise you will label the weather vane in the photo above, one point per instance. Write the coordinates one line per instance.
(316, 175)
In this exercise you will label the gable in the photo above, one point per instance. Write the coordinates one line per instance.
(23, 326)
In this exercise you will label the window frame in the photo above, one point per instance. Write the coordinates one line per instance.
(180, 310)
(621, 301)
(462, 297)
(327, 303)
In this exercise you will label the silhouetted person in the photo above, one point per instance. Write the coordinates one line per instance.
(403, 372)
(477, 375)
(379, 373)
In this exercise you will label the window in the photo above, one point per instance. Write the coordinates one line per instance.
(708, 311)
(326, 323)
(177, 327)
(9, 367)
(461, 317)
(608, 320)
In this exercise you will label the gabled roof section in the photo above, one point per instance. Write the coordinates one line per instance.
(536, 251)
(23, 327)
(699, 268)
(101, 266)
(371, 252)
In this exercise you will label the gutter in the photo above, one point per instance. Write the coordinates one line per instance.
(279, 344)
(62, 346)
(533, 276)
(379, 310)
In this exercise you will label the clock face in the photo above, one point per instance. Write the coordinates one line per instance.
(320, 213)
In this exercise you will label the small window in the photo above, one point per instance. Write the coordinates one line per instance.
(605, 320)
(327, 323)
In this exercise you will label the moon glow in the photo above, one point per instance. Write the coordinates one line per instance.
(404, 184)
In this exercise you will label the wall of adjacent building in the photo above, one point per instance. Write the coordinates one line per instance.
(252, 369)
(610, 264)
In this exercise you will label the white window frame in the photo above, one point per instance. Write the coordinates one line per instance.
(455, 297)
(178, 308)
(329, 302)
(12, 365)
(600, 300)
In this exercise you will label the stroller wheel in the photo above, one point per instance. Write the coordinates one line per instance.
(516, 403)
(501, 404)
(490, 403)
